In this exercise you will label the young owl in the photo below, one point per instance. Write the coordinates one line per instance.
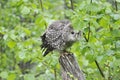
(59, 36)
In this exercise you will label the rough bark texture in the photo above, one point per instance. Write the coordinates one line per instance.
(70, 68)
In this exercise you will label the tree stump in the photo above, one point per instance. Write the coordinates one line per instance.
(69, 67)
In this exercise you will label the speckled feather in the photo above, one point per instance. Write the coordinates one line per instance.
(57, 36)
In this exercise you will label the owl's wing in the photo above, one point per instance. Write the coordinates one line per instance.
(51, 39)
(45, 45)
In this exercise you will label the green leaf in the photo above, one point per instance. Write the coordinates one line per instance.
(11, 44)
(85, 49)
(107, 40)
(28, 32)
(25, 0)
(118, 0)
(11, 77)
(93, 7)
(29, 77)
(91, 57)
(4, 74)
(104, 21)
(108, 10)
(25, 10)
(110, 52)
(115, 33)
(22, 55)
(5, 36)
(115, 16)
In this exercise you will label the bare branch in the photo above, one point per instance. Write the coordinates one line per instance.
(91, 1)
(72, 6)
(116, 6)
(89, 31)
(55, 74)
(41, 4)
(84, 35)
(99, 68)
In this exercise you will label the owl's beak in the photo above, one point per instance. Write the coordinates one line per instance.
(79, 34)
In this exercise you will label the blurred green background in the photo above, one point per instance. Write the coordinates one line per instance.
(22, 22)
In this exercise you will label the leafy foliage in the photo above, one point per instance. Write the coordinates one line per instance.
(22, 22)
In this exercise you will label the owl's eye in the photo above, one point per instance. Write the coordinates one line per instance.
(72, 32)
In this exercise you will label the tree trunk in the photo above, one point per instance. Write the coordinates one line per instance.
(69, 67)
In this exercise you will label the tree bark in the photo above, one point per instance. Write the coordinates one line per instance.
(69, 67)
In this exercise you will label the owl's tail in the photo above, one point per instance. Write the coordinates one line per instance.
(46, 52)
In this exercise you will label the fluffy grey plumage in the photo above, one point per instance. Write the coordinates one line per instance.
(59, 35)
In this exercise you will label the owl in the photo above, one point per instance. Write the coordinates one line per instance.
(59, 36)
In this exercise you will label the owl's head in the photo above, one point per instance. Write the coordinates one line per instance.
(69, 34)
(73, 36)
